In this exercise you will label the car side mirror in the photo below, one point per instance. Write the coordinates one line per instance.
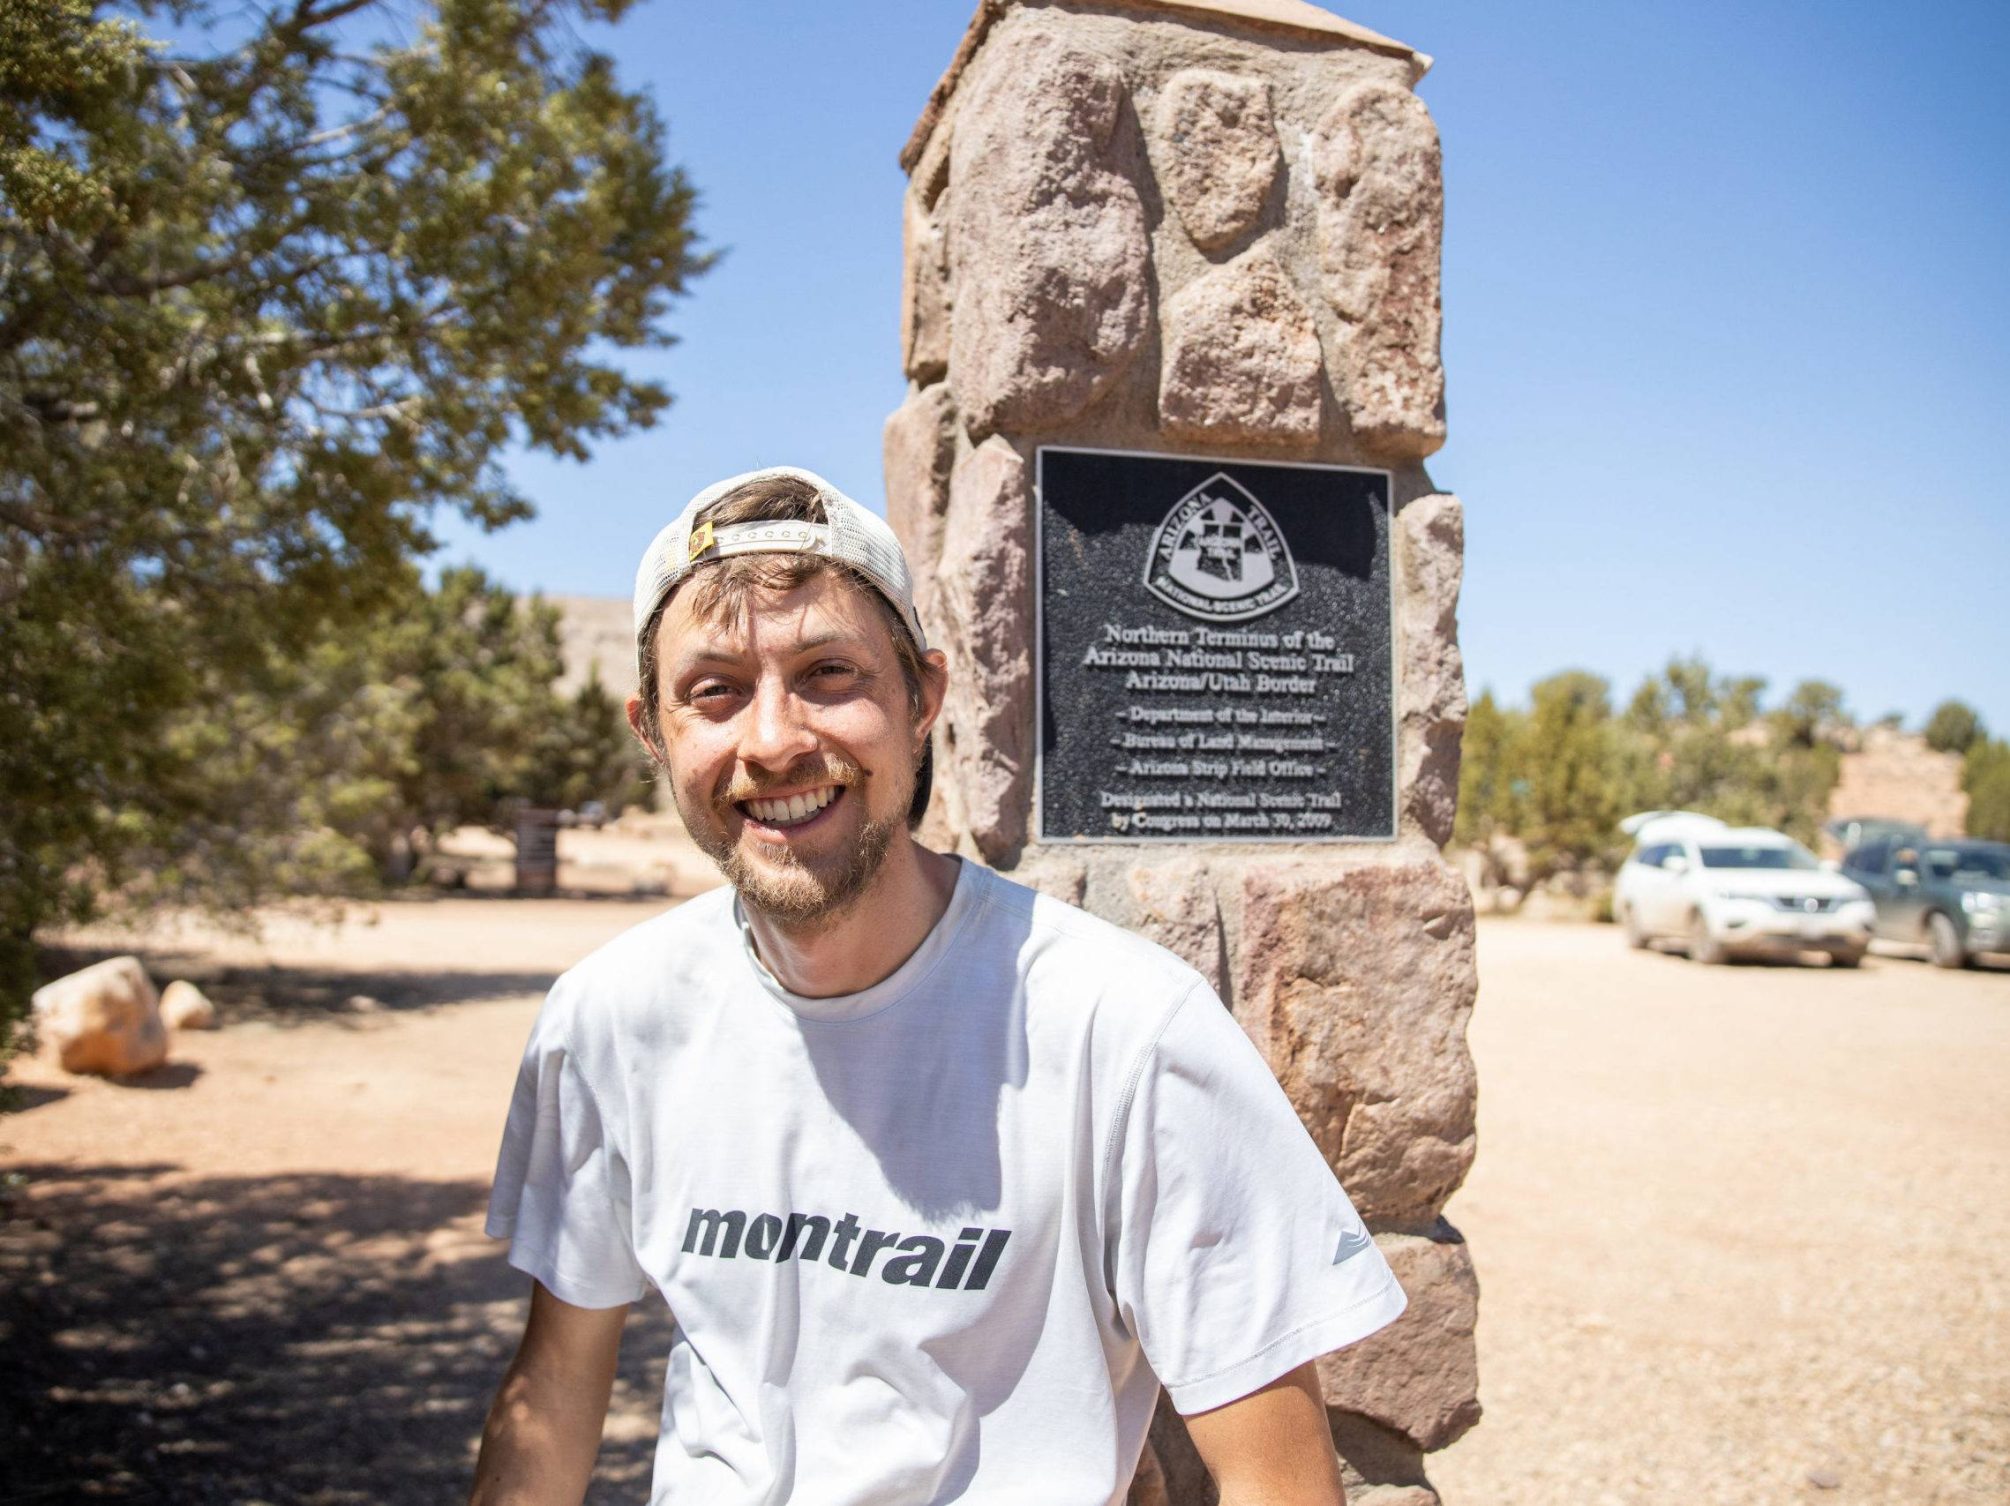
(1677, 864)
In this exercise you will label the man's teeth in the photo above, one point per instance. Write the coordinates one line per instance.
(795, 808)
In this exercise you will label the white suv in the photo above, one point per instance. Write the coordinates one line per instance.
(1722, 890)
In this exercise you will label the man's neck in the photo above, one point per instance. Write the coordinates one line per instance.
(871, 937)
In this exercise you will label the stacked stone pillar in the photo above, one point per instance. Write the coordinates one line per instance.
(1212, 227)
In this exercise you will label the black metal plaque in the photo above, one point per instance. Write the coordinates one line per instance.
(1215, 650)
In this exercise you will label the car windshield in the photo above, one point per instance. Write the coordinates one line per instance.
(1759, 855)
(1968, 862)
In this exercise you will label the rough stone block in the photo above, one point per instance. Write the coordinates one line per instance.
(1420, 1375)
(1355, 978)
(918, 450)
(1376, 1463)
(1049, 287)
(1175, 906)
(984, 594)
(1380, 227)
(1148, 1485)
(104, 1019)
(1054, 875)
(924, 291)
(1215, 146)
(1241, 359)
(1430, 545)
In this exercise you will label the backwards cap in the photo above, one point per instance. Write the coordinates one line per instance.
(850, 535)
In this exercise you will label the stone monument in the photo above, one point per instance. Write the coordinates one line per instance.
(1170, 322)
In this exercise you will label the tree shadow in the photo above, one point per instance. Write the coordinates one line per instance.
(19, 1098)
(306, 1338)
(280, 995)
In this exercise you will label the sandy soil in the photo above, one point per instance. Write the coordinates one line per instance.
(1743, 1233)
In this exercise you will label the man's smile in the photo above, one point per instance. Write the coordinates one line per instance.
(790, 812)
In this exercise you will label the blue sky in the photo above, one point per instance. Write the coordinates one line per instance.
(1726, 331)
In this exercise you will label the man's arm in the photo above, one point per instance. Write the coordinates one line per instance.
(543, 1430)
(1273, 1447)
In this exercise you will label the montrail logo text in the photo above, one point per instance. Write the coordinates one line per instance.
(912, 1260)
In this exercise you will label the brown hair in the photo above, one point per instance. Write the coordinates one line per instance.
(724, 587)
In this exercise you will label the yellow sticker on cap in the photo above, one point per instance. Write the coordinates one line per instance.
(701, 540)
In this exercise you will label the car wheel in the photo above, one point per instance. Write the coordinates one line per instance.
(1636, 933)
(1943, 942)
(1703, 947)
(1849, 956)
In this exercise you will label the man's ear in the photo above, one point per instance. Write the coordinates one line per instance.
(934, 687)
(650, 737)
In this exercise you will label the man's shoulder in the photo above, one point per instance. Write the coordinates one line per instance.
(1065, 945)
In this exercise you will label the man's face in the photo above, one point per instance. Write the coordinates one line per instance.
(791, 741)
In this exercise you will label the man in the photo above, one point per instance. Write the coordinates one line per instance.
(940, 1178)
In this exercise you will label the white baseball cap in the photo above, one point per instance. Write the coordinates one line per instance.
(849, 535)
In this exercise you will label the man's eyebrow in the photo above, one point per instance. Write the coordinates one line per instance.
(710, 653)
(835, 635)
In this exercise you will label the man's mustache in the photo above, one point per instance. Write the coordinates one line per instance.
(824, 769)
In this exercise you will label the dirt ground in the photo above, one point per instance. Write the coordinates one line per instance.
(1743, 1233)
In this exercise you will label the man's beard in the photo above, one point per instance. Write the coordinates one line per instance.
(779, 885)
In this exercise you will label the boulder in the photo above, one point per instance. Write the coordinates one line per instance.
(1241, 361)
(186, 1007)
(1049, 263)
(1354, 975)
(1420, 1375)
(1380, 228)
(924, 291)
(104, 1019)
(984, 597)
(1430, 543)
(1215, 146)
(917, 450)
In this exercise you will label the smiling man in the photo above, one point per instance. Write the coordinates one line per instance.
(942, 1180)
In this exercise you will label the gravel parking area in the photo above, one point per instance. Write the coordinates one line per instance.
(1743, 1232)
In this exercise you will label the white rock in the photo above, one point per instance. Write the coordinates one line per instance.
(186, 1007)
(103, 1019)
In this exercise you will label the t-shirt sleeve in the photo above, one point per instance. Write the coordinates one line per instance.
(1239, 1257)
(561, 1194)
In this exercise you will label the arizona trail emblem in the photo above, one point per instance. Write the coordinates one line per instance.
(1219, 555)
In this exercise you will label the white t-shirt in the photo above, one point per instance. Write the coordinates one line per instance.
(940, 1240)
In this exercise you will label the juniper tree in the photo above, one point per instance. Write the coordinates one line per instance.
(277, 286)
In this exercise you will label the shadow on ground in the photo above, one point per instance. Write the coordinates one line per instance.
(296, 995)
(294, 1339)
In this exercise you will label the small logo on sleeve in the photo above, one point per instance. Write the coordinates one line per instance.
(1353, 1240)
(965, 1264)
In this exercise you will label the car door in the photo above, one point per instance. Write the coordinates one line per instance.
(1902, 918)
(1645, 882)
(1867, 865)
(1669, 913)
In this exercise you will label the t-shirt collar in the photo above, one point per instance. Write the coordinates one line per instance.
(896, 985)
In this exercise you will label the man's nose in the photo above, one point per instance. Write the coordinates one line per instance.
(777, 728)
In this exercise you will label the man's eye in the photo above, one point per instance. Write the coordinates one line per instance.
(708, 691)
